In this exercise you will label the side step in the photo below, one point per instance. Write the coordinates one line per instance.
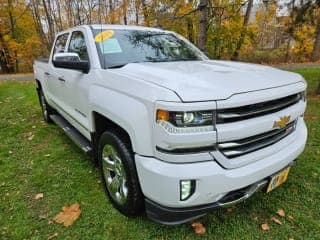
(73, 133)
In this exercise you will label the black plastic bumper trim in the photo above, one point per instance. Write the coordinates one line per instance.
(175, 216)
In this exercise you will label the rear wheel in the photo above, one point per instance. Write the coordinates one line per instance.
(46, 109)
(119, 176)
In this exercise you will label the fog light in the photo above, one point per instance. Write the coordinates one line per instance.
(187, 188)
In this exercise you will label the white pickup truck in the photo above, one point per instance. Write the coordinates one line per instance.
(173, 133)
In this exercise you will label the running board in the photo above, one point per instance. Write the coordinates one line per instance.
(73, 133)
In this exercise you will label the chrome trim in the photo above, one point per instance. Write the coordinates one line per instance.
(249, 193)
(227, 114)
(246, 145)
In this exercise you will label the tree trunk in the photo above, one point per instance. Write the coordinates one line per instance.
(145, 13)
(203, 8)
(112, 20)
(49, 21)
(316, 46)
(137, 7)
(246, 19)
(37, 20)
(318, 88)
(125, 19)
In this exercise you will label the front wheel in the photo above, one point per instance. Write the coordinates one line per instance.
(119, 176)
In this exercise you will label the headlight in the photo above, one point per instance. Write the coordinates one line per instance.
(186, 119)
(303, 95)
(186, 122)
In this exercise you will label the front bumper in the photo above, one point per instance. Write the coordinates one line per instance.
(160, 180)
(174, 216)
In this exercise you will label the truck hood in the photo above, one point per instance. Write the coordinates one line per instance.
(209, 80)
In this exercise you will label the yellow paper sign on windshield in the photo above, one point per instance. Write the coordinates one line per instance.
(104, 36)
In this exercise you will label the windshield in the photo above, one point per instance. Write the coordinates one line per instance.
(120, 47)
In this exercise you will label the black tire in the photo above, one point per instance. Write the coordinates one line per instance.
(45, 107)
(128, 199)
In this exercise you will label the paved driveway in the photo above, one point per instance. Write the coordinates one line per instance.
(17, 77)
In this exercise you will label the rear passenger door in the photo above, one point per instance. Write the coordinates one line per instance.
(52, 74)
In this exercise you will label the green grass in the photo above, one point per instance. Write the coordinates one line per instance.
(68, 175)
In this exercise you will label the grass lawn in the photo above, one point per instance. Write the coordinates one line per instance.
(39, 158)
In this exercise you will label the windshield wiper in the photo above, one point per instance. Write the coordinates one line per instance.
(122, 64)
(117, 66)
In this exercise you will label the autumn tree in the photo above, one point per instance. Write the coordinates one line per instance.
(306, 17)
(18, 38)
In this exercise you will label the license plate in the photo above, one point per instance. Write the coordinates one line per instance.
(278, 179)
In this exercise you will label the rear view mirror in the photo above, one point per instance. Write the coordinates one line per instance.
(70, 61)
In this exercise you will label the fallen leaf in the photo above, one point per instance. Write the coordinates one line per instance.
(198, 228)
(265, 227)
(47, 155)
(34, 127)
(31, 137)
(68, 215)
(230, 209)
(290, 239)
(50, 222)
(290, 217)
(38, 196)
(42, 216)
(276, 220)
(281, 213)
(10, 152)
(53, 236)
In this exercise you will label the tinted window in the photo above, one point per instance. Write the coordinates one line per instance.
(78, 45)
(119, 47)
(60, 44)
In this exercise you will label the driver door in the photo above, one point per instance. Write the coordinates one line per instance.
(76, 85)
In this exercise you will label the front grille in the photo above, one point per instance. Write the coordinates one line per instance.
(257, 109)
(246, 145)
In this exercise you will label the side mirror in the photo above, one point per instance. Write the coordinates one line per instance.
(70, 61)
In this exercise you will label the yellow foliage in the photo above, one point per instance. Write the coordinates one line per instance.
(304, 39)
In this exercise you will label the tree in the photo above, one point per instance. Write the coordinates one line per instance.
(243, 31)
(203, 9)
(308, 13)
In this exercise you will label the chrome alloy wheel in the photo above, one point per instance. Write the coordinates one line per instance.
(114, 174)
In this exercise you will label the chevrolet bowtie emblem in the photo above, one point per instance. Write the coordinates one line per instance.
(282, 122)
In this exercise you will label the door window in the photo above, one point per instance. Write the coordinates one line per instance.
(78, 45)
(60, 43)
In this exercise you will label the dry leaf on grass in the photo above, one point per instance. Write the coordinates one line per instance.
(68, 215)
(42, 216)
(230, 209)
(198, 228)
(276, 220)
(265, 227)
(290, 218)
(38, 196)
(53, 236)
(281, 213)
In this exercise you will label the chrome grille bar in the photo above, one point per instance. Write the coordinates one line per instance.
(247, 145)
(257, 109)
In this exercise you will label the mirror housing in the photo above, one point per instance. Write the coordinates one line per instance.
(70, 61)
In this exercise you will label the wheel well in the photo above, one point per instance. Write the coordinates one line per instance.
(103, 124)
(38, 84)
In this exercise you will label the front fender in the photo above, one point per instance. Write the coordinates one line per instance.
(129, 113)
